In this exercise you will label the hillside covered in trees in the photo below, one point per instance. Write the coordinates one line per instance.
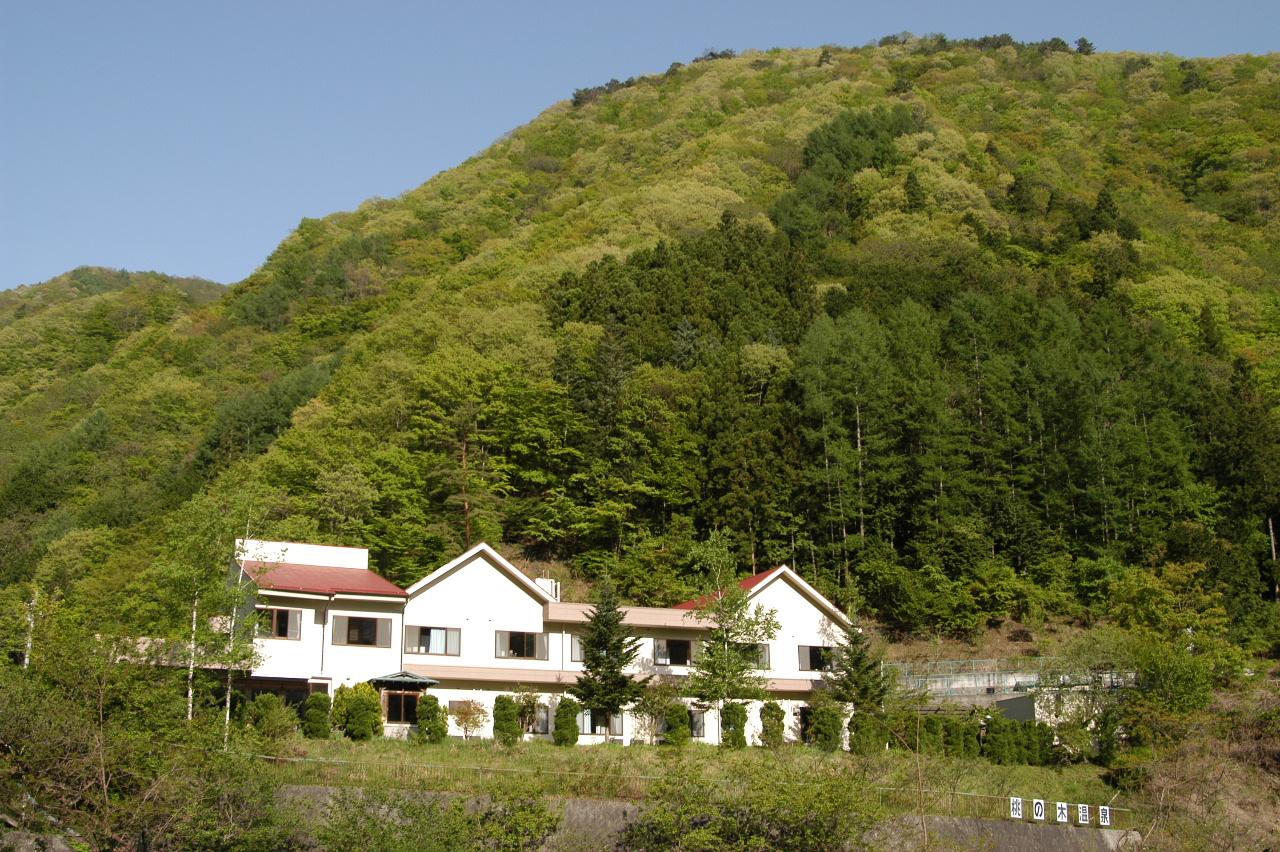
(962, 331)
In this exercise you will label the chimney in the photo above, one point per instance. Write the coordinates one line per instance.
(551, 587)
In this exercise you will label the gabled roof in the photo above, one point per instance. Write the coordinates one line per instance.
(318, 579)
(403, 680)
(756, 583)
(495, 559)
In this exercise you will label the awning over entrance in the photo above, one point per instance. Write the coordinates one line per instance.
(403, 680)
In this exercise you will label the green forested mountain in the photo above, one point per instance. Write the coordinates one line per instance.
(963, 331)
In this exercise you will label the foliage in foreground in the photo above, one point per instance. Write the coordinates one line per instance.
(763, 811)
(386, 821)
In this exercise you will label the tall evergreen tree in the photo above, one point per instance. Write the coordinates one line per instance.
(854, 675)
(608, 649)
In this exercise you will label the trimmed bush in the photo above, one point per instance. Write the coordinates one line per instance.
(315, 716)
(271, 717)
(566, 730)
(361, 712)
(433, 720)
(828, 723)
(678, 732)
(772, 725)
(733, 718)
(867, 734)
(506, 720)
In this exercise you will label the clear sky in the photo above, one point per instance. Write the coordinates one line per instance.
(190, 137)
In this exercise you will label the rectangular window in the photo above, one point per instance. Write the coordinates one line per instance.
(359, 630)
(759, 654)
(697, 723)
(402, 708)
(433, 640)
(600, 724)
(672, 652)
(575, 649)
(515, 645)
(542, 720)
(279, 623)
(814, 658)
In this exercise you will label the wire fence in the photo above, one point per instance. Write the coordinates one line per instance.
(473, 779)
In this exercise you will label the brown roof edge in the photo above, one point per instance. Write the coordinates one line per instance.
(563, 612)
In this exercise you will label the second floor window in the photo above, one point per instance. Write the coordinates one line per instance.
(814, 658)
(516, 645)
(280, 623)
(575, 649)
(361, 630)
(759, 654)
(672, 652)
(433, 640)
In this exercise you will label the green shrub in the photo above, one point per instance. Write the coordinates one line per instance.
(271, 717)
(827, 731)
(358, 711)
(677, 731)
(566, 730)
(770, 809)
(405, 822)
(433, 720)
(315, 716)
(772, 725)
(506, 720)
(733, 725)
(867, 734)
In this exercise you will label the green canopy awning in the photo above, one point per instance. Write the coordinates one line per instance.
(403, 680)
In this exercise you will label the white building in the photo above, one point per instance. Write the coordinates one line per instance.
(477, 627)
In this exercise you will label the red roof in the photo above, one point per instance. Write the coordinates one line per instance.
(319, 579)
(746, 584)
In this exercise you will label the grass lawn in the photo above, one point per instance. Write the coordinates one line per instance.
(898, 780)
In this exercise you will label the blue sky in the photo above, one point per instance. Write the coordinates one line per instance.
(190, 138)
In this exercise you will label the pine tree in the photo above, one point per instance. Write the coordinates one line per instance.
(853, 674)
(608, 649)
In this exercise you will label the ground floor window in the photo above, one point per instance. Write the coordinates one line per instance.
(600, 724)
(542, 720)
(402, 708)
(804, 720)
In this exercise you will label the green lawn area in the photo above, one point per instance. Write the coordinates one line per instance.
(900, 781)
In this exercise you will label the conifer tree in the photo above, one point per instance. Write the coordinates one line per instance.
(608, 649)
(854, 675)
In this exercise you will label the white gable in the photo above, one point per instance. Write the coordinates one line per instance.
(494, 560)
(787, 588)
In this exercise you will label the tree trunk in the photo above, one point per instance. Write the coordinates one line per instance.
(226, 710)
(466, 499)
(191, 661)
(1275, 576)
(31, 625)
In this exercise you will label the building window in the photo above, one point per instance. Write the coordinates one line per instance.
(402, 708)
(516, 645)
(672, 652)
(759, 654)
(697, 723)
(600, 724)
(814, 658)
(279, 623)
(542, 720)
(358, 630)
(804, 722)
(433, 640)
(575, 649)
